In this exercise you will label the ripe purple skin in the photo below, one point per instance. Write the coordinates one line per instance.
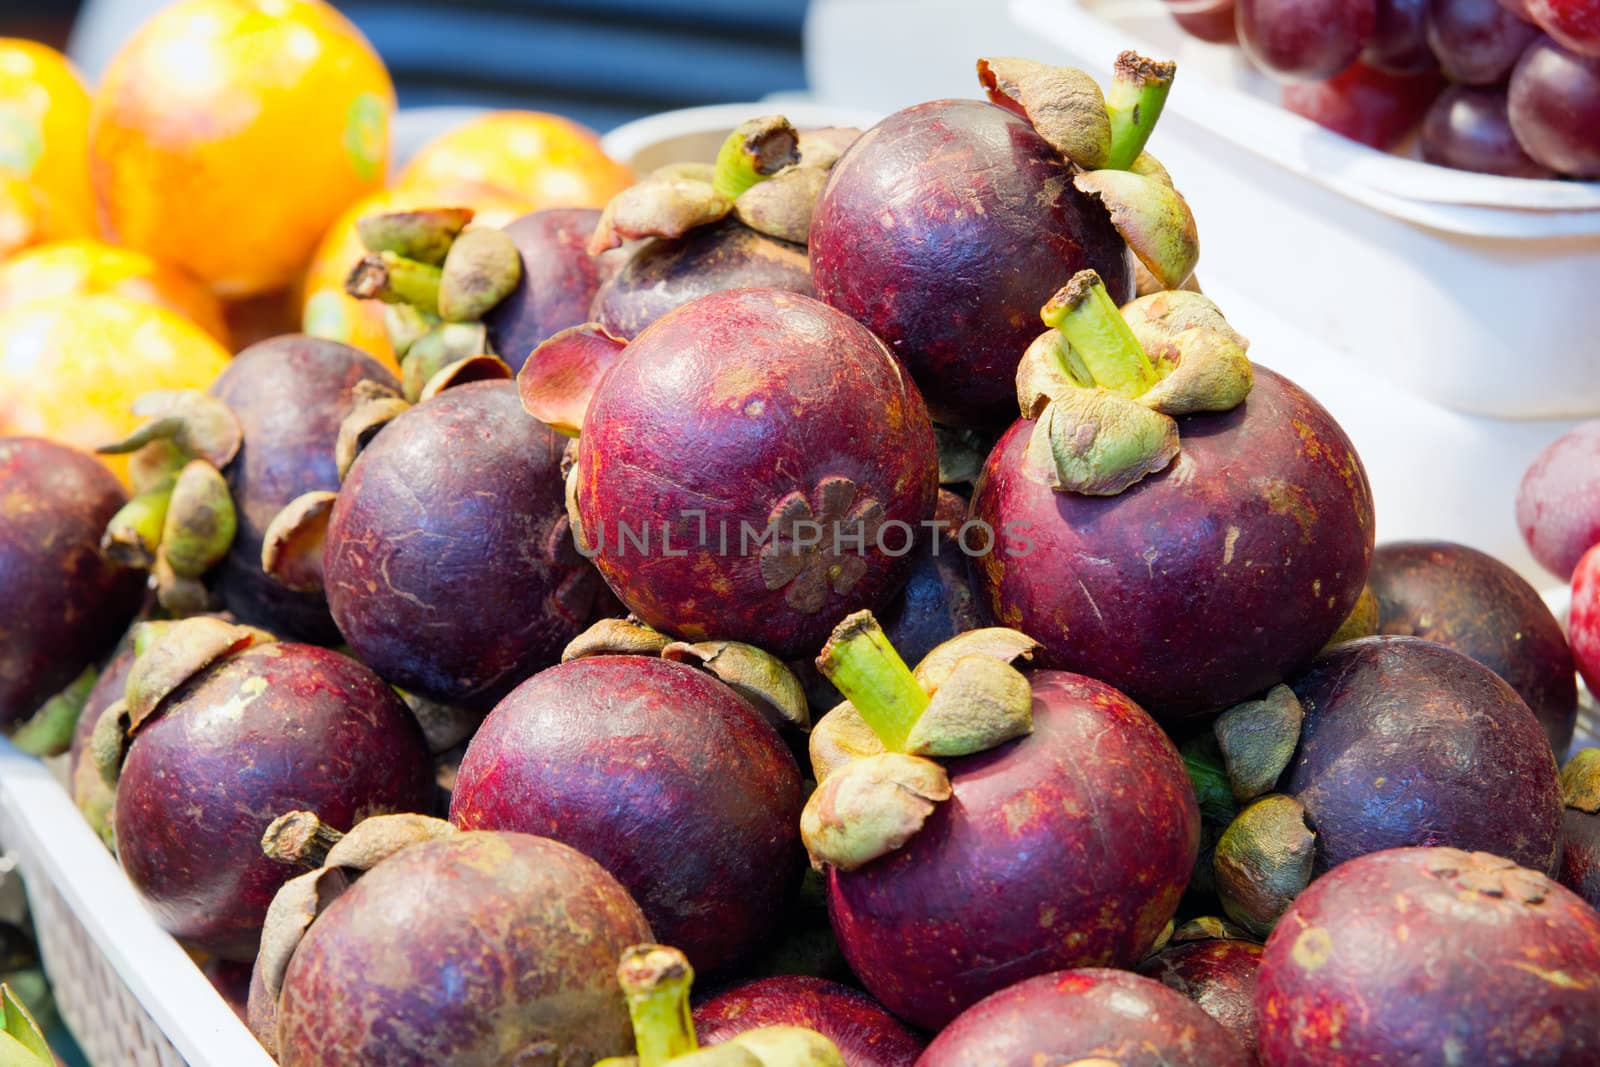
(275, 728)
(1410, 743)
(944, 229)
(1067, 848)
(1477, 42)
(1463, 599)
(1219, 976)
(1580, 855)
(448, 564)
(559, 280)
(666, 274)
(1305, 40)
(1426, 955)
(289, 395)
(662, 774)
(231, 980)
(1090, 1014)
(1555, 108)
(1202, 585)
(741, 413)
(65, 606)
(867, 1035)
(1399, 43)
(484, 948)
(1470, 129)
(1558, 502)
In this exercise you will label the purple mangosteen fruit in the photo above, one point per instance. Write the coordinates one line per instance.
(558, 283)
(1469, 601)
(867, 1035)
(1431, 955)
(1087, 1016)
(1218, 974)
(1580, 841)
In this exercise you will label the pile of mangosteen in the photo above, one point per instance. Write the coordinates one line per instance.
(634, 632)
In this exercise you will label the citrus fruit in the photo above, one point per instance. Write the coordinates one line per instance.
(44, 130)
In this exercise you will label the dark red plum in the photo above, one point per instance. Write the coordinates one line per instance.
(65, 605)
(274, 728)
(1218, 975)
(943, 229)
(448, 563)
(744, 468)
(1469, 601)
(1202, 585)
(1431, 955)
(1068, 847)
(866, 1034)
(558, 282)
(661, 773)
(1306, 40)
(1406, 742)
(1470, 129)
(1085, 1016)
(289, 394)
(478, 948)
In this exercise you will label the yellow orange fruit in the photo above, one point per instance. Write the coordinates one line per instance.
(227, 135)
(44, 131)
(83, 266)
(30, 216)
(71, 367)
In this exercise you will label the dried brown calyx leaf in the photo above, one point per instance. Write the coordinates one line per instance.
(1152, 217)
(1064, 105)
(1097, 443)
(1263, 861)
(782, 206)
(998, 643)
(482, 268)
(197, 425)
(446, 344)
(1580, 781)
(182, 650)
(486, 367)
(982, 704)
(1204, 361)
(758, 676)
(870, 807)
(822, 147)
(373, 406)
(838, 737)
(293, 909)
(658, 207)
(291, 547)
(616, 637)
(376, 838)
(1257, 739)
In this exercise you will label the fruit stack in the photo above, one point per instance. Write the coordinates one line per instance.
(592, 593)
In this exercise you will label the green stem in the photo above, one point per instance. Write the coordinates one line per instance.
(861, 663)
(1138, 92)
(754, 152)
(1105, 345)
(656, 979)
(395, 280)
(49, 730)
(134, 532)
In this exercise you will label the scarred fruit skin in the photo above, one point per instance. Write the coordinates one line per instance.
(1091, 1015)
(866, 1034)
(448, 565)
(1219, 976)
(1431, 955)
(664, 775)
(1202, 585)
(275, 728)
(729, 425)
(1069, 847)
(64, 604)
(1407, 742)
(559, 279)
(289, 394)
(1469, 601)
(474, 949)
(944, 229)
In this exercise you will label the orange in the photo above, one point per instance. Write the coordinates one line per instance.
(83, 266)
(29, 216)
(44, 132)
(227, 135)
(547, 160)
(71, 367)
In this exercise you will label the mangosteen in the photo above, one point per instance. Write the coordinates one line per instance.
(663, 773)
(558, 281)
(1082, 1017)
(1431, 955)
(979, 826)
(867, 1035)
(231, 980)
(220, 728)
(1215, 968)
(65, 604)
(1469, 601)
(91, 792)
(1580, 849)
(1191, 572)
(944, 226)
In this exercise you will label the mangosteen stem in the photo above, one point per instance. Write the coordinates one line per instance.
(300, 837)
(395, 280)
(1101, 339)
(49, 730)
(1139, 88)
(753, 152)
(656, 979)
(861, 663)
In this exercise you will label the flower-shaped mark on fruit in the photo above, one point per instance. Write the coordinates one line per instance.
(816, 545)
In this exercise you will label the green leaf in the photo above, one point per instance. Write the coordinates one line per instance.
(21, 1035)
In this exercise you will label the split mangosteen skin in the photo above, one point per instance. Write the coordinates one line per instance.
(1387, 960)
(866, 1034)
(944, 229)
(1218, 975)
(65, 606)
(1202, 585)
(275, 728)
(289, 394)
(449, 566)
(1407, 742)
(666, 273)
(472, 949)
(1471, 602)
(726, 415)
(1069, 847)
(559, 280)
(664, 775)
(1092, 1015)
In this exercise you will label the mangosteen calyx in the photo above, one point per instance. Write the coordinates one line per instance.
(48, 731)
(178, 653)
(1263, 861)
(1139, 89)
(1209, 928)
(1105, 385)
(560, 375)
(480, 270)
(291, 547)
(424, 235)
(1063, 104)
(22, 1043)
(1580, 781)
(373, 406)
(870, 807)
(1258, 739)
